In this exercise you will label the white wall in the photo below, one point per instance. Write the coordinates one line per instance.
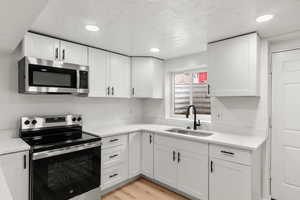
(96, 111)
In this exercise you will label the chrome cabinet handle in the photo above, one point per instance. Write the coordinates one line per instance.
(178, 157)
(112, 91)
(113, 140)
(132, 91)
(211, 166)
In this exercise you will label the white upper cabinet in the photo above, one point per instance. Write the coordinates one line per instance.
(38, 46)
(15, 167)
(147, 77)
(98, 66)
(119, 75)
(73, 53)
(43, 47)
(234, 66)
(109, 74)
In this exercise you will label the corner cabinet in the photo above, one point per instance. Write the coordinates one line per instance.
(147, 77)
(15, 167)
(147, 154)
(134, 154)
(109, 74)
(38, 46)
(234, 66)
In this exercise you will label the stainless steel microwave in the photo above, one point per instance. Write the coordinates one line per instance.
(38, 76)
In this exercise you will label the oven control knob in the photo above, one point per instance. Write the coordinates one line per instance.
(74, 119)
(34, 122)
(27, 122)
(79, 119)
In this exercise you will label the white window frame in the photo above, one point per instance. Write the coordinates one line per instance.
(169, 97)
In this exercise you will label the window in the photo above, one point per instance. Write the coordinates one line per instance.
(188, 88)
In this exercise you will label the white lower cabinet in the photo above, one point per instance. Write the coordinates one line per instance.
(147, 154)
(165, 165)
(182, 164)
(134, 154)
(235, 174)
(114, 160)
(229, 181)
(15, 167)
(192, 174)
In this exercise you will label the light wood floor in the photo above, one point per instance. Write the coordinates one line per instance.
(142, 190)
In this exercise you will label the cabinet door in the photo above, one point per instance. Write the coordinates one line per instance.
(15, 168)
(229, 181)
(165, 165)
(192, 175)
(98, 61)
(134, 154)
(147, 154)
(233, 66)
(119, 78)
(38, 46)
(142, 74)
(73, 53)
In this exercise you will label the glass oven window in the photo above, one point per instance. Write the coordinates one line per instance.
(52, 77)
(65, 176)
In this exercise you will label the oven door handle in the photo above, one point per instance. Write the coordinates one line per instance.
(65, 150)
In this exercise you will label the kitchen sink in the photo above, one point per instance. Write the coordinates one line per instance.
(189, 132)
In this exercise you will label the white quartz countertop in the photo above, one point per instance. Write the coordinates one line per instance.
(233, 140)
(12, 145)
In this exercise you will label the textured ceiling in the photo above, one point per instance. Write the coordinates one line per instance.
(177, 27)
(15, 19)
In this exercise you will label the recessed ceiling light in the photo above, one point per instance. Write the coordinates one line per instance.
(155, 50)
(264, 18)
(93, 28)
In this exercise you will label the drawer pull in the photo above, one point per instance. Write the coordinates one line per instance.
(227, 152)
(111, 176)
(112, 156)
(113, 140)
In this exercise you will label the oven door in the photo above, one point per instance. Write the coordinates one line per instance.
(65, 173)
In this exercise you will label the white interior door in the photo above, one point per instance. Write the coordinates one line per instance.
(286, 126)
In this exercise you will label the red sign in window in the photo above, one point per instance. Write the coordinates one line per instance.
(202, 77)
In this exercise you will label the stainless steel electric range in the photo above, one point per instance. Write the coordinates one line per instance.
(64, 160)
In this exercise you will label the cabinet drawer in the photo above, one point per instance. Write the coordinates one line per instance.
(182, 144)
(231, 154)
(114, 141)
(113, 175)
(113, 156)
